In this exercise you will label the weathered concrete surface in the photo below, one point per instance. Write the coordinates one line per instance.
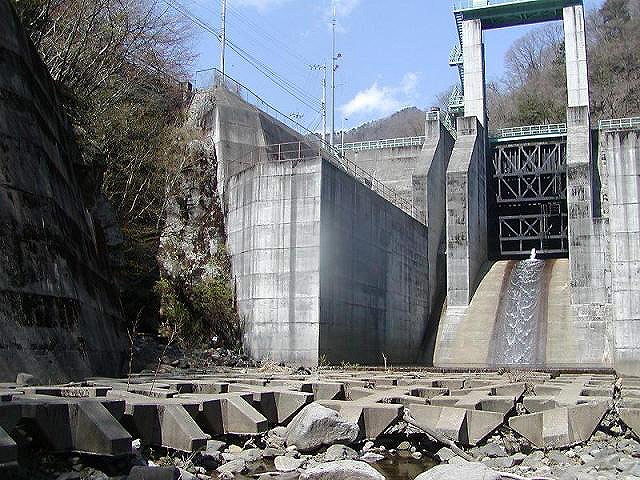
(458, 424)
(560, 427)
(466, 213)
(394, 166)
(273, 236)
(323, 265)
(374, 285)
(435, 155)
(466, 230)
(622, 156)
(60, 314)
(475, 104)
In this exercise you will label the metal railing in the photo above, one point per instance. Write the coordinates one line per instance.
(455, 56)
(212, 78)
(557, 129)
(466, 4)
(619, 123)
(298, 151)
(456, 99)
(446, 119)
(377, 144)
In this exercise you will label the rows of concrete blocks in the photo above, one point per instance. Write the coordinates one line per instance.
(101, 415)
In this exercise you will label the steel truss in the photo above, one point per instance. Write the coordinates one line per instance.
(530, 181)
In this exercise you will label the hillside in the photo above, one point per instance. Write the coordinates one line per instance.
(408, 122)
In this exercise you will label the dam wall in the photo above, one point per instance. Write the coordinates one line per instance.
(324, 267)
(273, 237)
(396, 167)
(60, 313)
(622, 156)
(466, 213)
(374, 275)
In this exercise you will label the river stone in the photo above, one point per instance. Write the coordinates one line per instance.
(466, 471)
(342, 470)
(372, 457)
(234, 466)
(154, 473)
(316, 426)
(445, 454)
(287, 464)
(340, 452)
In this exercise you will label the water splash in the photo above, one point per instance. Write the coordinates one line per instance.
(518, 326)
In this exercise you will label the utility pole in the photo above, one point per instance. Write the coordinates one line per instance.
(323, 67)
(333, 75)
(223, 38)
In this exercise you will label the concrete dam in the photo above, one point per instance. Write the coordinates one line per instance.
(406, 250)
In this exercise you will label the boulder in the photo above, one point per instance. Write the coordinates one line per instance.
(287, 464)
(342, 470)
(315, 426)
(466, 471)
(340, 452)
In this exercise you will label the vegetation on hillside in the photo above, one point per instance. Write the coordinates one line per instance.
(534, 90)
(120, 66)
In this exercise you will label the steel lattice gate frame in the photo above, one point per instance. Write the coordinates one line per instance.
(530, 184)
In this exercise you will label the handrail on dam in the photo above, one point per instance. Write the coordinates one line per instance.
(296, 151)
(385, 143)
(619, 123)
(551, 129)
(219, 79)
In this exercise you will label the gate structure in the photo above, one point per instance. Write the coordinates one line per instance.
(530, 185)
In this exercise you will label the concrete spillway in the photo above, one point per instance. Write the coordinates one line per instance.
(518, 330)
(477, 336)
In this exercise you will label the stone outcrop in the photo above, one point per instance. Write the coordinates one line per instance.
(60, 314)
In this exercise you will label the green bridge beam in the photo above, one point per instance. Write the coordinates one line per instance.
(508, 13)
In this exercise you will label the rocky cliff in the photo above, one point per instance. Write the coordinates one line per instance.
(60, 315)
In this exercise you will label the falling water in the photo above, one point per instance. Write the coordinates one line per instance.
(517, 328)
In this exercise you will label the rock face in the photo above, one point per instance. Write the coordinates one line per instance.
(316, 426)
(466, 471)
(344, 470)
(60, 315)
(194, 224)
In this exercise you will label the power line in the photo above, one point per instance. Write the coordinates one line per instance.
(289, 87)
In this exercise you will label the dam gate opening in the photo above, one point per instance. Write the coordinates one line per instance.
(529, 182)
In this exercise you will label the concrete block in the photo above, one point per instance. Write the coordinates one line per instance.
(82, 426)
(560, 427)
(280, 406)
(240, 417)
(372, 418)
(8, 451)
(325, 390)
(167, 425)
(72, 392)
(458, 424)
(631, 418)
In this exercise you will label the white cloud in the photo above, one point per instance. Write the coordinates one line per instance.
(382, 100)
(261, 5)
(345, 7)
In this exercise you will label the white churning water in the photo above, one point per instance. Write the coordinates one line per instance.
(517, 335)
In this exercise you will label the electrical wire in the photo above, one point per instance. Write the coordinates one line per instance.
(289, 87)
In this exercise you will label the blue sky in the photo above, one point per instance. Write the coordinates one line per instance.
(394, 53)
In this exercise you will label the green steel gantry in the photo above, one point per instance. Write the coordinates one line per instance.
(498, 14)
